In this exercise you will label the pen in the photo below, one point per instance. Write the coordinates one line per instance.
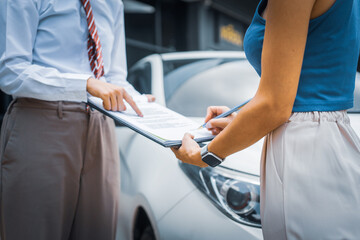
(225, 114)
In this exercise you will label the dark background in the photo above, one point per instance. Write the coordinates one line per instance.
(159, 26)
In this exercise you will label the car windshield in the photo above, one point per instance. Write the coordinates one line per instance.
(192, 85)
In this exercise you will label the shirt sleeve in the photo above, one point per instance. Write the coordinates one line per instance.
(19, 76)
(118, 67)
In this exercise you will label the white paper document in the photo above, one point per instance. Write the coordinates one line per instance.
(159, 123)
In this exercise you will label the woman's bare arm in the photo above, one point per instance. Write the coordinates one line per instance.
(283, 50)
(282, 56)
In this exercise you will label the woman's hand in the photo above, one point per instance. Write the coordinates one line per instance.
(189, 152)
(113, 96)
(217, 125)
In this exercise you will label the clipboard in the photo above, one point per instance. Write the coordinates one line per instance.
(159, 124)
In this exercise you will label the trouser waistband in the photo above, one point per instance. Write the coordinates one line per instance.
(335, 116)
(59, 106)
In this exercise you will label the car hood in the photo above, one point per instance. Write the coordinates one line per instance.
(248, 160)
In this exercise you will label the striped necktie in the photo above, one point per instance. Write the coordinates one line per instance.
(94, 46)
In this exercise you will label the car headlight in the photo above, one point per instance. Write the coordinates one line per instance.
(235, 193)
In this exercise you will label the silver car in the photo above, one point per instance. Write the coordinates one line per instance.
(162, 198)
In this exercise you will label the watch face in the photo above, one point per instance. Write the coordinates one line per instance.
(211, 160)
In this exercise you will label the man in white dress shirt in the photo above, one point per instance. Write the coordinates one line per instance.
(59, 174)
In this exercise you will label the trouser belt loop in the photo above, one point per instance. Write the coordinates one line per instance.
(88, 108)
(60, 109)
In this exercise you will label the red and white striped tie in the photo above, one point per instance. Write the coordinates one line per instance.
(94, 46)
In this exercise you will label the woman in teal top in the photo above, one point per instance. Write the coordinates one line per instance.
(306, 52)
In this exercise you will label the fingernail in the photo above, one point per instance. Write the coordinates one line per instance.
(208, 125)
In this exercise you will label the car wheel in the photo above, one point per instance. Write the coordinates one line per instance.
(148, 234)
(143, 229)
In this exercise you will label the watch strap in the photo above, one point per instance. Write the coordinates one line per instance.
(210, 158)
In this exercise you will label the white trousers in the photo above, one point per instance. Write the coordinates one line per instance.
(310, 178)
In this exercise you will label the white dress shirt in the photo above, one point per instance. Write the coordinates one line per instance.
(43, 47)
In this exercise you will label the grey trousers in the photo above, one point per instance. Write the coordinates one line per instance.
(59, 172)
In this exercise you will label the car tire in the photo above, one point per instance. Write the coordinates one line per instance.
(148, 234)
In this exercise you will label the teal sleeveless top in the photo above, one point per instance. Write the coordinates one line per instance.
(332, 49)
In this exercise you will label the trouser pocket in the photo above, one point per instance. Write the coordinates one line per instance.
(7, 127)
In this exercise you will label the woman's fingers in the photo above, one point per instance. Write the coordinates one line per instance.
(189, 151)
(218, 123)
(187, 138)
(210, 113)
(214, 111)
(180, 151)
(216, 131)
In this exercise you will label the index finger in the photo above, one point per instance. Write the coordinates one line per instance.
(131, 102)
(209, 113)
(213, 111)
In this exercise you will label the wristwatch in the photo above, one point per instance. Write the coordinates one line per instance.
(209, 158)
